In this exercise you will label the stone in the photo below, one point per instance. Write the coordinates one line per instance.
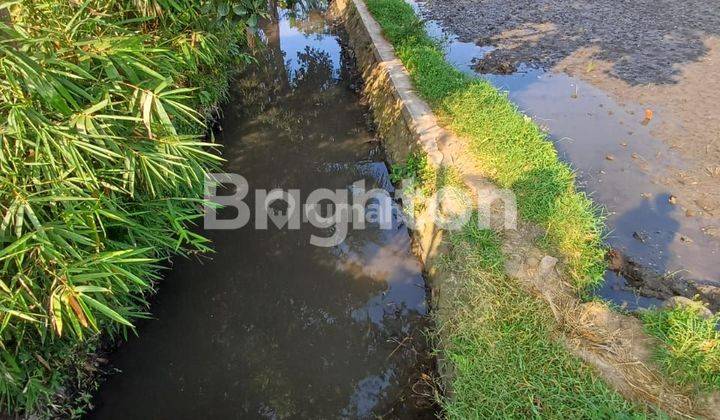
(682, 301)
(547, 264)
(710, 294)
(532, 262)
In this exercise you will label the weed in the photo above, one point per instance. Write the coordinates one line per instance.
(499, 342)
(690, 350)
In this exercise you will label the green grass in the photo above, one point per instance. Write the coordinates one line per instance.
(498, 340)
(508, 146)
(416, 168)
(690, 350)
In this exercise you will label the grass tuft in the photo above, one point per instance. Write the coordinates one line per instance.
(690, 350)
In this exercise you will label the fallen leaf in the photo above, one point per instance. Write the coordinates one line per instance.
(648, 116)
(43, 361)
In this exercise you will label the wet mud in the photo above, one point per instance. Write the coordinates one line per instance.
(617, 87)
(646, 40)
(270, 326)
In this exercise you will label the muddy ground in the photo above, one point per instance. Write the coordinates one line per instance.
(644, 39)
(657, 53)
(662, 55)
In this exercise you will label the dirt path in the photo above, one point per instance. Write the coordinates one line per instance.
(644, 39)
(662, 56)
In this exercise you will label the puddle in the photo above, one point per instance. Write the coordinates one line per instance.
(618, 161)
(271, 326)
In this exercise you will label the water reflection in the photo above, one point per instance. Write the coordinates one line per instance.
(271, 326)
(302, 33)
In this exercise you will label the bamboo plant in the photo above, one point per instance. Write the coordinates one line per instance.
(103, 156)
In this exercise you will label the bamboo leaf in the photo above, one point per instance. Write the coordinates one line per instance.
(56, 311)
(105, 310)
(18, 314)
(78, 310)
(19, 220)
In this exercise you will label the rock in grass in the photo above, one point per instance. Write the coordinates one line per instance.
(547, 264)
(683, 302)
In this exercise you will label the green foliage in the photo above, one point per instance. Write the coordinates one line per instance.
(507, 145)
(418, 171)
(245, 12)
(415, 167)
(487, 244)
(690, 350)
(399, 23)
(102, 162)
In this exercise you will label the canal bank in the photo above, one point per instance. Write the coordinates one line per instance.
(493, 278)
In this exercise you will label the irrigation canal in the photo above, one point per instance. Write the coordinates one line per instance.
(270, 326)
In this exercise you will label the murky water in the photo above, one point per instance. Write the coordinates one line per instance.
(271, 326)
(618, 161)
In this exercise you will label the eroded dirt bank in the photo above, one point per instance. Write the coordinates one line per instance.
(644, 133)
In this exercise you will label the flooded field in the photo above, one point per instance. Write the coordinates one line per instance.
(270, 326)
(659, 197)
